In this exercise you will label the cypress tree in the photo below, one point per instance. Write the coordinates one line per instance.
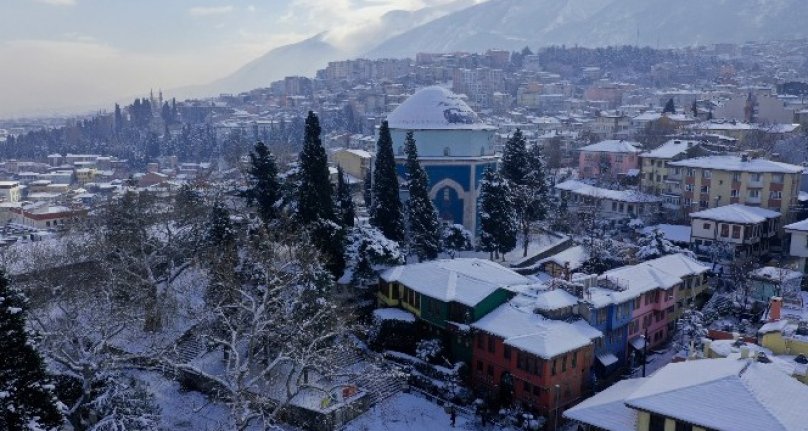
(385, 210)
(670, 108)
(534, 195)
(344, 204)
(367, 190)
(265, 190)
(26, 402)
(314, 195)
(425, 229)
(497, 215)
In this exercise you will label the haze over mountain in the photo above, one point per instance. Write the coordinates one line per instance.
(513, 24)
(309, 55)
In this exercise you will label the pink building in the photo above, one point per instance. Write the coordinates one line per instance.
(611, 158)
(654, 303)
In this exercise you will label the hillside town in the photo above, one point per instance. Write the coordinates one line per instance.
(561, 239)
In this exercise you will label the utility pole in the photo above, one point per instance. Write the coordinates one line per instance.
(558, 391)
(644, 351)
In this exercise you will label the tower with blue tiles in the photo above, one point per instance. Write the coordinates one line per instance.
(454, 146)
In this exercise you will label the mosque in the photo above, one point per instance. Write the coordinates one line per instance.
(454, 146)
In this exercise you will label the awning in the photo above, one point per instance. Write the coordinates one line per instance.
(607, 359)
(638, 342)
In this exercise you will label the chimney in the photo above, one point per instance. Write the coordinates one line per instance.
(775, 307)
(745, 352)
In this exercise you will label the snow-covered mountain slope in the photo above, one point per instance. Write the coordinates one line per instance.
(513, 24)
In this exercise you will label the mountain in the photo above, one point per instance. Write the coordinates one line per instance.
(302, 58)
(513, 24)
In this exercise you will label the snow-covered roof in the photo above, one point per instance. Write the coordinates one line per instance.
(672, 232)
(613, 146)
(641, 278)
(725, 394)
(393, 314)
(736, 213)
(777, 274)
(554, 299)
(574, 256)
(531, 332)
(435, 108)
(467, 281)
(607, 410)
(738, 164)
(669, 149)
(800, 226)
(630, 196)
(678, 265)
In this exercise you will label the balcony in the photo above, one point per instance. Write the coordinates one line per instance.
(752, 200)
(752, 184)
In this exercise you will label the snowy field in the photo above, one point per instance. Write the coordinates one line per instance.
(407, 412)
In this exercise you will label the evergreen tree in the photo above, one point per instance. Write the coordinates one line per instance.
(534, 194)
(314, 195)
(514, 159)
(26, 400)
(385, 208)
(345, 204)
(265, 190)
(425, 229)
(670, 108)
(497, 215)
(456, 239)
(695, 109)
(219, 230)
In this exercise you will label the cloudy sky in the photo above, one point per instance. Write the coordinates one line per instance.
(61, 55)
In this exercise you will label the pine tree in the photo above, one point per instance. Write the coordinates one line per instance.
(26, 400)
(265, 190)
(385, 209)
(670, 108)
(535, 195)
(514, 159)
(425, 229)
(219, 230)
(344, 204)
(497, 215)
(314, 195)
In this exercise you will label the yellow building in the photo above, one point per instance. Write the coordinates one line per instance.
(355, 163)
(654, 165)
(714, 181)
(715, 394)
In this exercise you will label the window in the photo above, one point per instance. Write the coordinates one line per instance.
(724, 229)
(574, 359)
(707, 226)
(657, 423)
(736, 176)
(706, 173)
(491, 346)
(507, 352)
(490, 370)
(754, 193)
(775, 195)
(553, 370)
(777, 178)
(564, 364)
(705, 189)
(614, 206)
(691, 172)
(689, 187)
(683, 426)
(736, 232)
(528, 388)
(480, 341)
(756, 177)
(537, 390)
(733, 193)
(659, 163)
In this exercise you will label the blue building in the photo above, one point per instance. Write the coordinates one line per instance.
(610, 312)
(454, 146)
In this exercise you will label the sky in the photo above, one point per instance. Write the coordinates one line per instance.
(73, 55)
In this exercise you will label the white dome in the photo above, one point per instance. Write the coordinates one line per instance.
(435, 108)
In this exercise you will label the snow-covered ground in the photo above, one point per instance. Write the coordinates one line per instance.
(406, 412)
(184, 410)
